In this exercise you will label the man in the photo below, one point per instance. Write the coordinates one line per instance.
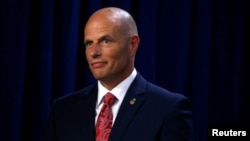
(140, 111)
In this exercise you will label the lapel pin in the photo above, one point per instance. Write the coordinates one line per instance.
(132, 101)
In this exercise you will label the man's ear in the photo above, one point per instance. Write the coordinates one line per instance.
(134, 42)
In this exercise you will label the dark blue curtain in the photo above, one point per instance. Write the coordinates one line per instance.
(195, 47)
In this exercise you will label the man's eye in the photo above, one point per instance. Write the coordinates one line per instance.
(106, 41)
(88, 44)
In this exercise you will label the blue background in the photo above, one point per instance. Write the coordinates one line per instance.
(195, 47)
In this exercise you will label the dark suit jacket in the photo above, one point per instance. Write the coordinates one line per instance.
(156, 115)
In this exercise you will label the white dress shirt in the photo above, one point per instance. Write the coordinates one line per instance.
(118, 91)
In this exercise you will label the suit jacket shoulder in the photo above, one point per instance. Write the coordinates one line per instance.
(76, 95)
(72, 117)
(152, 113)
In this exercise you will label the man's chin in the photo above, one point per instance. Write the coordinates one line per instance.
(98, 76)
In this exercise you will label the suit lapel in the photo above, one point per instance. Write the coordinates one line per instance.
(131, 104)
(86, 112)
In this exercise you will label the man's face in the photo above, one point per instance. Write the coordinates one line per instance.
(108, 50)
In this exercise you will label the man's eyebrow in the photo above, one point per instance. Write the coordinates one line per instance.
(104, 37)
(99, 39)
(87, 41)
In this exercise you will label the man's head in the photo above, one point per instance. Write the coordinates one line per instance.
(111, 40)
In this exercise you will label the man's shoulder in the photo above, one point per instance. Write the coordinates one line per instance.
(165, 100)
(161, 93)
(76, 95)
(155, 91)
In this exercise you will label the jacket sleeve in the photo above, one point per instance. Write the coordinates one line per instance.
(179, 126)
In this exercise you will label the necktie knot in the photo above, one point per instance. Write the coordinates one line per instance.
(109, 99)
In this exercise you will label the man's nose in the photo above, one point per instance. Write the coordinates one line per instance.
(95, 50)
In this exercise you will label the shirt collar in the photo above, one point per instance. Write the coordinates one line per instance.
(118, 91)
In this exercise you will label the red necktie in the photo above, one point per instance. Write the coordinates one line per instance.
(105, 118)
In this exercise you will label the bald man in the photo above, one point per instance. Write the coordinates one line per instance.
(139, 111)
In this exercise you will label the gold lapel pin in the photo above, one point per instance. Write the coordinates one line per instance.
(132, 101)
